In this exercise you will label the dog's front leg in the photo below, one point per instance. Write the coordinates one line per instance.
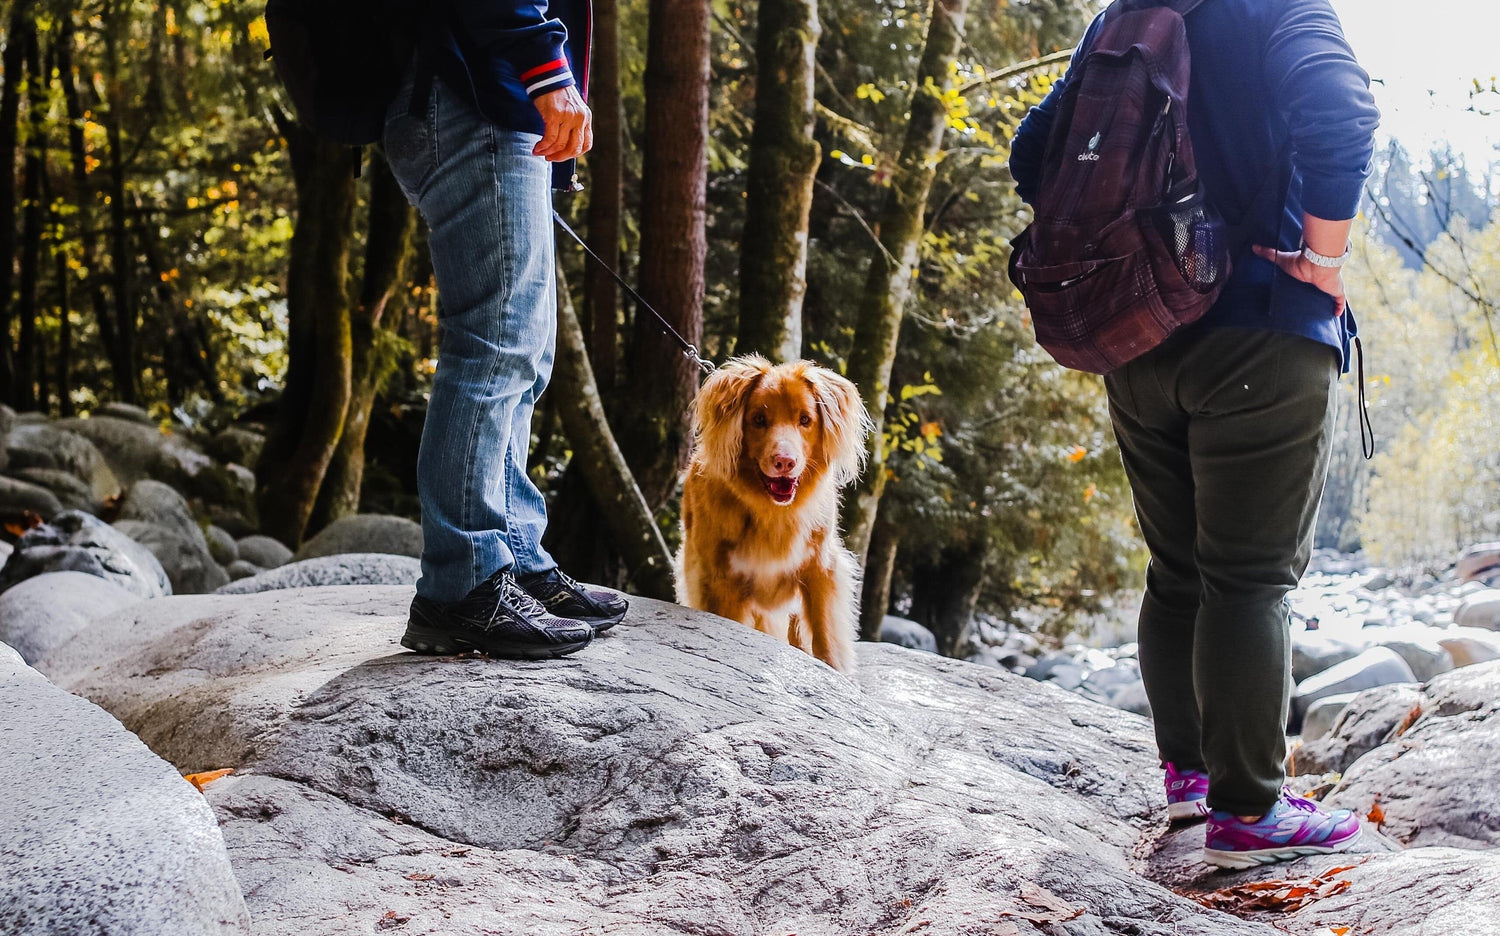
(828, 600)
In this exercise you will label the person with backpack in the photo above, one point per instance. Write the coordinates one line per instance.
(1221, 345)
(488, 119)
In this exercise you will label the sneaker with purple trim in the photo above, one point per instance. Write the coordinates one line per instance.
(1293, 828)
(1187, 793)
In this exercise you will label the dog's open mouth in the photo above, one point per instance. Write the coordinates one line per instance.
(781, 489)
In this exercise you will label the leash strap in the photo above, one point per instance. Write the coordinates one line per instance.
(690, 352)
(1366, 427)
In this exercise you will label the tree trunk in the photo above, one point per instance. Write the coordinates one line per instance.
(388, 250)
(944, 597)
(122, 351)
(779, 186)
(875, 601)
(606, 195)
(20, 32)
(673, 243)
(310, 417)
(889, 280)
(25, 393)
(625, 511)
(64, 331)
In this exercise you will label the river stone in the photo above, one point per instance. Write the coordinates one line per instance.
(71, 492)
(221, 545)
(184, 556)
(343, 569)
(1477, 560)
(1481, 609)
(43, 612)
(1436, 781)
(7, 422)
(78, 542)
(264, 551)
(1426, 657)
(128, 411)
(366, 533)
(18, 498)
(44, 445)
(237, 445)
(1377, 666)
(1470, 646)
(906, 633)
(160, 504)
(1366, 722)
(99, 835)
(1315, 651)
(133, 449)
(240, 569)
(1132, 698)
(1323, 713)
(683, 775)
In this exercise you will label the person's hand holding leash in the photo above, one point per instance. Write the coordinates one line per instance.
(569, 125)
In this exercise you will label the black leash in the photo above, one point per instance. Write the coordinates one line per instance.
(1366, 427)
(688, 350)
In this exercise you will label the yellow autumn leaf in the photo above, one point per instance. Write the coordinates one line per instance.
(201, 780)
(1078, 454)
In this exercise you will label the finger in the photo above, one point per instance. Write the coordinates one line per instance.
(550, 138)
(567, 147)
(588, 136)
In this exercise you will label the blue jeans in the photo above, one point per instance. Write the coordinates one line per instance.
(488, 206)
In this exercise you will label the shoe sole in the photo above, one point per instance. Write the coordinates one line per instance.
(1241, 860)
(437, 643)
(600, 625)
(1187, 811)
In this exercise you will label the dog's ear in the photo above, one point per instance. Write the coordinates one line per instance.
(719, 413)
(846, 423)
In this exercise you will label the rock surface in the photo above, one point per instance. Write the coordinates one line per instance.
(264, 551)
(18, 498)
(72, 492)
(221, 546)
(44, 445)
(907, 633)
(684, 775)
(1379, 666)
(1477, 560)
(1366, 721)
(1323, 713)
(98, 834)
(156, 516)
(1436, 781)
(366, 533)
(1481, 609)
(343, 569)
(43, 612)
(77, 542)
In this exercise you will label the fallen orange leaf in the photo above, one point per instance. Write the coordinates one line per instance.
(1376, 814)
(201, 780)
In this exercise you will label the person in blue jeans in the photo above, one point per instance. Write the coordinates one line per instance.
(489, 115)
(1225, 429)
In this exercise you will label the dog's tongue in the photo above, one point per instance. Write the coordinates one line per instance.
(781, 489)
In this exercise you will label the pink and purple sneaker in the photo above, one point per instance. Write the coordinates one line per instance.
(1187, 793)
(1293, 828)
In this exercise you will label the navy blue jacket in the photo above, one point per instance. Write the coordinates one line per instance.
(1277, 94)
(502, 54)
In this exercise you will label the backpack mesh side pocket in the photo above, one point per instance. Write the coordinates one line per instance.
(1198, 240)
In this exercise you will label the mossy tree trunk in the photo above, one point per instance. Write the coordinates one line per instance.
(779, 185)
(892, 263)
(310, 417)
(606, 195)
(624, 510)
(673, 244)
(388, 251)
(122, 270)
(20, 32)
(25, 393)
(880, 566)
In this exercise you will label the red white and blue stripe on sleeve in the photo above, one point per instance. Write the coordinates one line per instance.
(547, 77)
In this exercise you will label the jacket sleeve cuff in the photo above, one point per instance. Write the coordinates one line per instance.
(544, 69)
(1332, 198)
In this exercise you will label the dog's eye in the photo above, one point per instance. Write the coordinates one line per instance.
(805, 421)
(758, 420)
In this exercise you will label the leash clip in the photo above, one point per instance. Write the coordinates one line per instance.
(703, 364)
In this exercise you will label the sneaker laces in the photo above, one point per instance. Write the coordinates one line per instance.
(521, 599)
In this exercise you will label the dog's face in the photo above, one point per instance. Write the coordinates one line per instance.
(779, 429)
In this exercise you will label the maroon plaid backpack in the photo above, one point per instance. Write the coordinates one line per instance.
(1123, 249)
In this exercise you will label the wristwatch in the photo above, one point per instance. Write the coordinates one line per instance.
(1317, 259)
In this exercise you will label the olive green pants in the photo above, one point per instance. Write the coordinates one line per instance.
(1225, 436)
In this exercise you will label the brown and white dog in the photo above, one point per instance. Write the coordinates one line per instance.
(760, 503)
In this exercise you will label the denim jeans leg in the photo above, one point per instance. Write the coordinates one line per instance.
(487, 204)
(526, 517)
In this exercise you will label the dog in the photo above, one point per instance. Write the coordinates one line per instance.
(773, 446)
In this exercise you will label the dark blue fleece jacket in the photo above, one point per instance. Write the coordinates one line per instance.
(1276, 94)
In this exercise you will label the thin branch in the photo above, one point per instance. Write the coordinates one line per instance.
(1017, 70)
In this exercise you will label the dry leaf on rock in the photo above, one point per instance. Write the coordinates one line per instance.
(1050, 908)
(201, 780)
(1276, 896)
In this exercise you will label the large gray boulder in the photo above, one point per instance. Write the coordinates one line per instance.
(128, 411)
(685, 775)
(45, 611)
(907, 633)
(18, 498)
(221, 545)
(1426, 657)
(99, 835)
(238, 445)
(71, 492)
(1470, 645)
(1365, 722)
(44, 445)
(1378, 666)
(264, 551)
(1477, 560)
(1316, 651)
(156, 516)
(133, 449)
(1323, 713)
(1436, 781)
(344, 569)
(7, 422)
(78, 542)
(1481, 609)
(366, 533)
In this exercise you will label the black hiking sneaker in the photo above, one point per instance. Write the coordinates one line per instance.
(498, 619)
(566, 598)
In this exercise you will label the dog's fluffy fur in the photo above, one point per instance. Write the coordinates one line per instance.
(760, 539)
